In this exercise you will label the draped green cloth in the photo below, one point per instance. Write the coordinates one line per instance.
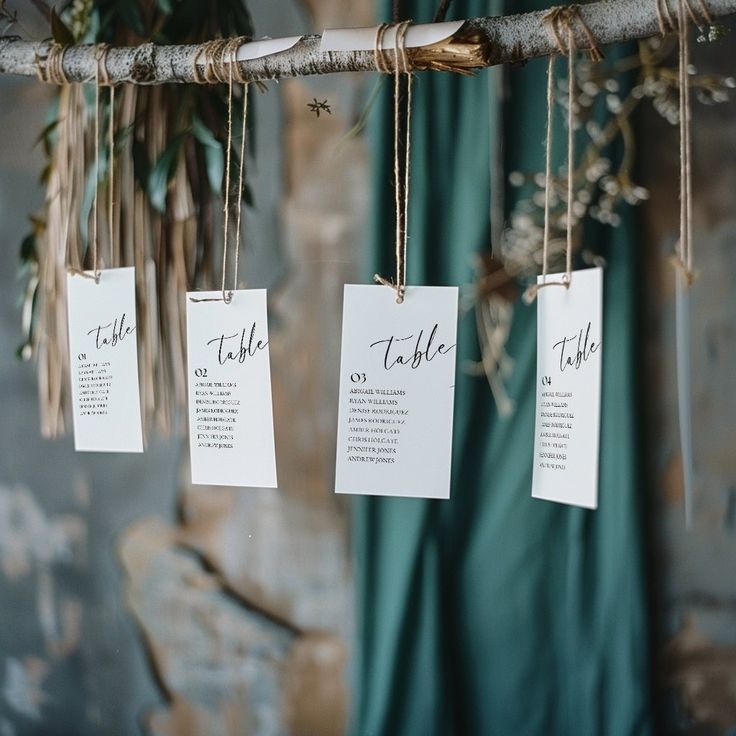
(495, 613)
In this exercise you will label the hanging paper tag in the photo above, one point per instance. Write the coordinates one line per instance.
(231, 437)
(569, 354)
(397, 388)
(103, 353)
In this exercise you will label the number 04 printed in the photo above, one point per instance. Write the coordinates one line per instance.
(230, 412)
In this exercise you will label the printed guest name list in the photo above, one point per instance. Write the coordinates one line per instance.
(104, 361)
(396, 392)
(569, 350)
(231, 435)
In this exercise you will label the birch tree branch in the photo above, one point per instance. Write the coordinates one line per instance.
(506, 39)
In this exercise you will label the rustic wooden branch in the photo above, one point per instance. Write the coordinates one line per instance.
(504, 39)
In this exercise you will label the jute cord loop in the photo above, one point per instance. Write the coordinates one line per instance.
(378, 50)
(51, 69)
(560, 23)
(684, 253)
(401, 65)
(683, 258)
(669, 24)
(216, 61)
(101, 77)
(227, 295)
(664, 17)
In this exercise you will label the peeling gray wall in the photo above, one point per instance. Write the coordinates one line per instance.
(133, 602)
(70, 657)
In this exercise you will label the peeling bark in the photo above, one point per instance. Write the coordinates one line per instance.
(508, 39)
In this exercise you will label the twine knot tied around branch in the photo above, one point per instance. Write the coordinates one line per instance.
(218, 61)
(561, 21)
(50, 69)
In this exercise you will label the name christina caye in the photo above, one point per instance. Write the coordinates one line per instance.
(229, 349)
(112, 333)
(424, 349)
(577, 349)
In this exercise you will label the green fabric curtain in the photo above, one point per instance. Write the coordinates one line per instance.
(494, 613)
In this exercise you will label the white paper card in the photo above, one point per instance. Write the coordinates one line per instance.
(397, 389)
(569, 357)
(229, 376)
(364, 39)
(103, 355)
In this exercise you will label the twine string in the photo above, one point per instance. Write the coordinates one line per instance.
(705, 12)
(683, 259)
(51, 69)
(111, 183)
(210, 52)
(560, 23)
(105, 80)
(95, 271)
(55, 73)
(667, 22)
(101, 53)
(219, 63)
(378, 51)
(688, 155)
(706, 17)
(407, 155)
(683, 245)
(226, 297)
(241, 168)
(548, 162)
(401, 202)
(664, 17)
(401, 65)
(215, 61)
(686, 205)
(570, 152)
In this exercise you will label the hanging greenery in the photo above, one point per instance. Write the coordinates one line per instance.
(168, 174)
(603, 182)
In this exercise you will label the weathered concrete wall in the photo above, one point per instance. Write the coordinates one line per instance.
(695, 570)
(70, 660)
(133, 601)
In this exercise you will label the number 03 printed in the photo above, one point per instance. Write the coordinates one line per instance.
(397, 388)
